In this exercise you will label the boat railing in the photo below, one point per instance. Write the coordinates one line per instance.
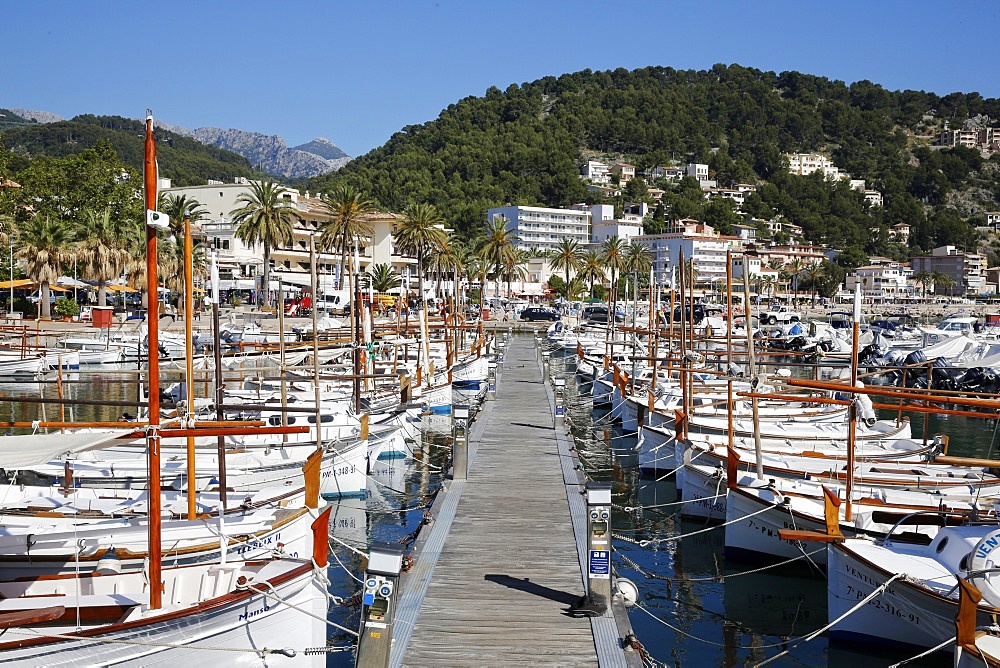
(972, 518)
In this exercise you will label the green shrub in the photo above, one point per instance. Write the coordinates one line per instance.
(66, 307)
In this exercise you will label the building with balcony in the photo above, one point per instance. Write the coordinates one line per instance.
(881, 282)
(624, 171)
(240, 265)
(596, 172)
(804, 164)
(697, 243)
(966, 138)
(544, 228)
(967, 271)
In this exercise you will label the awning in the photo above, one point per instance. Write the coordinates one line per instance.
(70, 282)
(19, 283)
(19, 452)
(120, 288)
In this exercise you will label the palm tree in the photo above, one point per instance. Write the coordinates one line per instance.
(613, 255)
(942, 279)
(420, 231)
(384, 277)
(102, 251)
(591, 270)
(348, 209)
(638, 261)
(814, 271)
(498, 245)
(476, 269)
(794, 268)
(574, 288)
(567, 256)
(778, 266)
(170, 264)
(45, 244)
(513, 266)
(924, 278)
(178, 208)
(445, 258)
(264, 216)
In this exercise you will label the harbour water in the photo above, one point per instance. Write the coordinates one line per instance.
(697, 608)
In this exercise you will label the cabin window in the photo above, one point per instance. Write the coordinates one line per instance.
(941, 545)
(322, 418)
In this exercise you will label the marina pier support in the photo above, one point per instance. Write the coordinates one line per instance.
(378, 605)
(460, 441)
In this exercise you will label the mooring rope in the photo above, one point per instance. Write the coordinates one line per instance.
(860, 604)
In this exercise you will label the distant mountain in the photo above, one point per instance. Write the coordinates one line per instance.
(270, 154)
(38, 116)
(322, 147)
(9, 119)
(182, 159)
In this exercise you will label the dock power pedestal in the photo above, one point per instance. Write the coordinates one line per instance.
(598, 597)
(385, 562)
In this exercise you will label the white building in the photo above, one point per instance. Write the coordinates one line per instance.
(596, 172)
(880, 282)
(239, 265)
(698, 243)
(669, 173)
(697, 170)
(543, 228)
(803, 164)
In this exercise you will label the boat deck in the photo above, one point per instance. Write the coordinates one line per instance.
(496, 574)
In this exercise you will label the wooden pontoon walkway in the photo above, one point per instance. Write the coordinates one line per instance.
(501, 565)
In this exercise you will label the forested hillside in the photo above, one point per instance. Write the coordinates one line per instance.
(527, 144)
(182, 159)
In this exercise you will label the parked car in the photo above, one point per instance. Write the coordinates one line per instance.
(538, 313)
(701, 311)
(600, 314)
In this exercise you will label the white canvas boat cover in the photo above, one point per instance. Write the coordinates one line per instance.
(18, 452)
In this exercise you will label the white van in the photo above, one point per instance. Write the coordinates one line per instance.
(334, 301)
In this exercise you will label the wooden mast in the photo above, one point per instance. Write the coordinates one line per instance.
(152, 324)
(189, 365)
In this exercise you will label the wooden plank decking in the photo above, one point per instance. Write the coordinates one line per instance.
(501, 565)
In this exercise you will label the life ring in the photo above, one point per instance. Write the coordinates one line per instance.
(981, 561)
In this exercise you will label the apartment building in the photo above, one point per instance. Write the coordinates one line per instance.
(966, 270)
(240, 265)
(900, 233)
(669, 173)
(544, 228)
(596, 172)
(966, 138)
(881, 282)
(624, 171)
(697, 242)
(804, 164)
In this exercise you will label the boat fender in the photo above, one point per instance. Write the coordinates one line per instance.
(866, 410)
(984, 565)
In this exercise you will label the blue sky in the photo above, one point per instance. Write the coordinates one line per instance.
(355, 72)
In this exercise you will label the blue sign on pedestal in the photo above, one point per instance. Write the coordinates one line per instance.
(600, 564)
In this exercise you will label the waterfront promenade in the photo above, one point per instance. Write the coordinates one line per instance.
(499, 568)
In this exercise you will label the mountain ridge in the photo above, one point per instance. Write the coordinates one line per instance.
(269, 153)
